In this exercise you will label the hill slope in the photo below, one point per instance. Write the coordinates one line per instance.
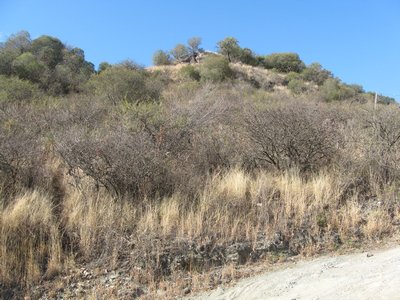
(175, 176)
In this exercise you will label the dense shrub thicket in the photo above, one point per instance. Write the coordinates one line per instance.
(132, 128)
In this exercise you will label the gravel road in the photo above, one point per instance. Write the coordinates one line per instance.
(372, 275)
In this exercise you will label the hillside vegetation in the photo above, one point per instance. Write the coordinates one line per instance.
(205, 160)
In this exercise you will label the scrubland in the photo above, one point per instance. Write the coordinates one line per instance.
(173, 172)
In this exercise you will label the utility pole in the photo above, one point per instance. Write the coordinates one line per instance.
(375, 102)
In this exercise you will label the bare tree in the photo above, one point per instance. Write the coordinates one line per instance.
(194, 47)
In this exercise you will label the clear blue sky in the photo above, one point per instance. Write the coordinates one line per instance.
(358, 40)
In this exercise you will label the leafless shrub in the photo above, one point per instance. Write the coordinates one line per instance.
(383, 131)
(369, 156)
(21, 153)
(298, 135)
(124, 162)
(139, 150)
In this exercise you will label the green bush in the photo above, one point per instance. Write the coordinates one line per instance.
(215, 69)
(119, 83)
(161, 58)
(26, 66)
(315, 73)
(330, 90)
(190, 72)
(385, 99)
(15, 89)
(103, 66)
(334, 90)
(247, 57)
(297, 86)
(292, 75)
(284, 62)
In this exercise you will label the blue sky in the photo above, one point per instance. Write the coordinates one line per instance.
(358, 40)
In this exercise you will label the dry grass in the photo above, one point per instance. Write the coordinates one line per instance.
(267, 79)
(236, 206)
(30, 240)
(96, 223)
(233, 206)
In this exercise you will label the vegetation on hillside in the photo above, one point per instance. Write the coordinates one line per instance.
(46, 61)
(229, 158)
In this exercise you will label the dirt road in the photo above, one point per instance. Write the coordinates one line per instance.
(373, 275)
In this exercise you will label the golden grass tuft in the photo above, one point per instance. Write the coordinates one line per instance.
(95, 222)
(30, 242)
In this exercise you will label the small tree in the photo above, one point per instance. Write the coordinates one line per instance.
(247, 57)
(15, 45)
(19, 42)
(180, 53)
(161, 58)
(48, 49)
(229, 47)
(194, 50)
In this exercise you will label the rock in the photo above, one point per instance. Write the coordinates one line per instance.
(369, 254)
(187, 290)
(336, 239)
(238, 253)
(396, 222)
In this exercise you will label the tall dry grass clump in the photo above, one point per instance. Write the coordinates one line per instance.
(96, 224)
(30, 243)
(236, 206)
